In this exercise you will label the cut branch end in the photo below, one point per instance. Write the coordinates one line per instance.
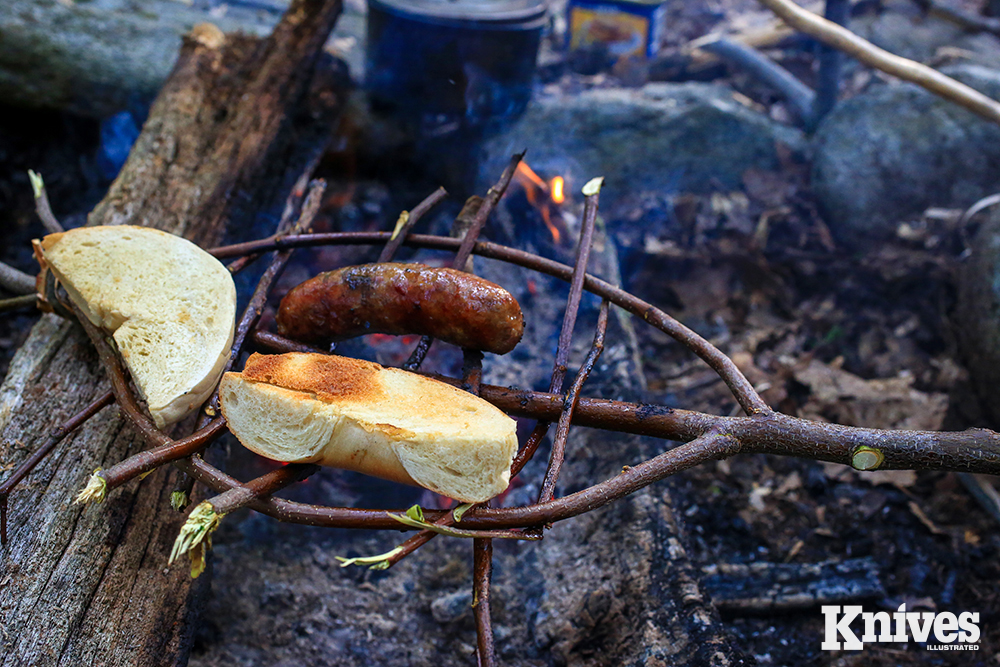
(195, 536)
(37, 184)
(94, 491)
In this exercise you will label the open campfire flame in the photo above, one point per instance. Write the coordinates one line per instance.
(546, 196)
(556, 185)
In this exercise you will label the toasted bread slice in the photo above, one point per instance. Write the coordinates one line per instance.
(170, 306)
(385, 422)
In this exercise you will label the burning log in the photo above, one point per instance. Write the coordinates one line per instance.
(84, 586)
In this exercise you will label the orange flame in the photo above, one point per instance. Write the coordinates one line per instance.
(534, 185)
(553, 229)
(528, 175)
(556, 188)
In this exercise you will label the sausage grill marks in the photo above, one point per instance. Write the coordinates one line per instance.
(392, 298)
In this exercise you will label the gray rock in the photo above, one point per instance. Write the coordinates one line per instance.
(978, 311)
(452, 606)
(906, 30)
(663, 137)
(896, 150)
(94, 58)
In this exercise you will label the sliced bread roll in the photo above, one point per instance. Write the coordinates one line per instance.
(170, 306)
(357, 415)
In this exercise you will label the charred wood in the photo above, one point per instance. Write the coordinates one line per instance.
(772, 587)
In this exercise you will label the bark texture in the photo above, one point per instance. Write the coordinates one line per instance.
(90, 585)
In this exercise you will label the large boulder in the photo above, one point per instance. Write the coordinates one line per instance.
(98, 57)
(662, 137)
(978, 312)
(907, 30)
(896, 150)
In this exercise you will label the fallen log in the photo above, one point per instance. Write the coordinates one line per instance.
(89, 585)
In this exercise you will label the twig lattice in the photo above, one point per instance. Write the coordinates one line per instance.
(706, 437)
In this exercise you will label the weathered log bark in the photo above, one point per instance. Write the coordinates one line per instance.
(90, 585)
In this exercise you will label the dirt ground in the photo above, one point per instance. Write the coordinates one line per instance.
(860, 339)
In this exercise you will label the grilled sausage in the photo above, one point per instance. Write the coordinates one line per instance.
(450, 305)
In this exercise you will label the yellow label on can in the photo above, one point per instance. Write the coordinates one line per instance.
(624, 34)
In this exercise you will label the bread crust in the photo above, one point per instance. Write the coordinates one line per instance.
(329, 377)
(358, 415)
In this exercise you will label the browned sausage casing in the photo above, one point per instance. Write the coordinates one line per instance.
(454, 306)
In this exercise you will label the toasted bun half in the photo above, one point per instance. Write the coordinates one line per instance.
(385, 422)
(170, 306)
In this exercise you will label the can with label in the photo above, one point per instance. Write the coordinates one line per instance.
(627, 28)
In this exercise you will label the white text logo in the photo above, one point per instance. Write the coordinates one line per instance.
(941, 631)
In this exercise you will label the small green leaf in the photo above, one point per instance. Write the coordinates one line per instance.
(37, 184)
(407, 520)
(178, 500)
(197, 555)
(416, 513)
(460, 511)
(379, 562)
(593, 186)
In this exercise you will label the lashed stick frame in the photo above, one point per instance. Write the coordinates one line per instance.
(705, 437)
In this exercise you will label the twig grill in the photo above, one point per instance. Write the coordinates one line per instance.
(707, 437)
